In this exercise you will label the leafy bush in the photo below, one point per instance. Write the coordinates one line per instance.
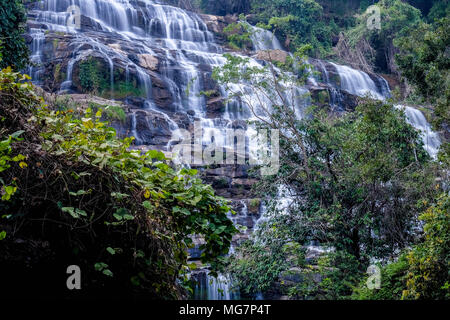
(91, 78)
(95, 77)
(299, 22)
(256, 266)
(392, 283)
(238, 35)
(428, 274)
(425, 63)
(126, 218)
(13, 50)
(423, 271)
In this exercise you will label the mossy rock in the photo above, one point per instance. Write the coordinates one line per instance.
(254, 205)
(93, 76)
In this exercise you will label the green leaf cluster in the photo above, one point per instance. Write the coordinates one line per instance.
(93, 183)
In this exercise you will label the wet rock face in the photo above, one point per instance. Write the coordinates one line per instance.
(349, 101)
(215, 107)
(151, 128)
(320, 96)
(168, 66)
(162, 97)
(150, 77)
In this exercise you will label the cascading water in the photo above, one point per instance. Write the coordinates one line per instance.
(361, 84)
(358, 82)
(211, 288)
(264, 39)
(431, 139)
(121, 31)
(35, 69)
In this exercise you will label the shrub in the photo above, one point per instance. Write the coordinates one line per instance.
(84, 197)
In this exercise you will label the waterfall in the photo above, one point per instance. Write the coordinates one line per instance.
(211, 288)
(118, 31)
(263, 39)
(358, 82)
(430, 138)
(35, 69)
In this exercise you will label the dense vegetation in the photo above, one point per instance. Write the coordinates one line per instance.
(361, 184)
(327, 24)
(358, 183)
(425, 62)
(72, 189)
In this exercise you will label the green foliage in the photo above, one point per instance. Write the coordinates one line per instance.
(6, 157)
(428, 274)
(256, 267)
(95, 77)
(223, 7)
(440, 9)
(423, 271)
(339, 271)
(299, 22)
(109, 112)
(424, 61)
(13, 50)
(354, 162)
(357, 180)
(376, 46)
(93, 141)
(426, 5)
(392, 282)
(5, 163)
(397, 18)
(96, 186)
(92, 79)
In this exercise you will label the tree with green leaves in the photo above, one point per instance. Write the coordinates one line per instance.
(297, 22)
(424, 61)
(421, 272)
(428, 274)
(13, 49)
(355, 181)
(224, 7)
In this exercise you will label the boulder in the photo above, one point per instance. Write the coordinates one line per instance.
(320, 95)
(151, 128)
(117, 48)
(272, 55)
(215, 107)
(349, 101)
(245, 221)
(253, 206)
(297, 275)
(148, 62)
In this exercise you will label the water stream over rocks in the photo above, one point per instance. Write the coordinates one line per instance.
(158, 59)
